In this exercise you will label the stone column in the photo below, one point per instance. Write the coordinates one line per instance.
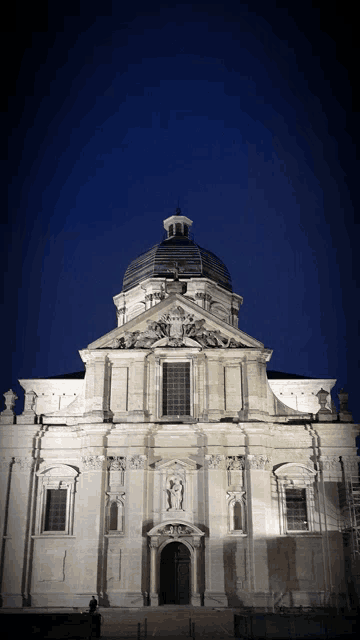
(216, 384)
(154, 595)
(119, 388)
(121, 317)
(97, 385)
(88, 525)
(5, 462)
(13, 587)
(217, 518)
(137, 411)
(134, 574)
(28, 416)
(195, 592)
(258, 489)
(255, 400)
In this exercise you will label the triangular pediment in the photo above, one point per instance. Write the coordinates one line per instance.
(176, 463)
(175, 321)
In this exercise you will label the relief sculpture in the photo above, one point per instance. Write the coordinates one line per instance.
(175, 329)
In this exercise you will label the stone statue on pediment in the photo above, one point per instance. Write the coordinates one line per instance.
(176, 328)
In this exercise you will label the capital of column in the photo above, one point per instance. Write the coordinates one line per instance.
(5, 462)
(93, 462)
(23, 464)
(259, 462)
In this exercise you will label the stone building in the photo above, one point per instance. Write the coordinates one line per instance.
(177, 469)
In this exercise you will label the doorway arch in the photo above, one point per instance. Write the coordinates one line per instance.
(175, 574)
(186, 534)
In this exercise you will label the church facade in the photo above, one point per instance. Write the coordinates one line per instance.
(177, 470)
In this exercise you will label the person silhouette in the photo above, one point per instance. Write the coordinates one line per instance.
(93, 605)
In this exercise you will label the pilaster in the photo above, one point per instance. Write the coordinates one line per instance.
(217, 522)
(13, 587)
(89, 522)
(97, 385)
(133, 570)
(258, 466)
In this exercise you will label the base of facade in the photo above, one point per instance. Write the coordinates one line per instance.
(12, 600)
(195, 600)
(154, 600)
(77, 600)
(126, 599)
(215, 599)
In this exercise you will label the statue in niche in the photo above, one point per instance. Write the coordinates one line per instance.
(175, 493)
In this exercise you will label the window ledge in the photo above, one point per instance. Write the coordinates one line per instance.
(306, 534)
(52, 536)
(237, 533)
(114, 534)
(180, 419)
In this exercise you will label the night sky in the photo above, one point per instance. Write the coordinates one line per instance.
(245, 113)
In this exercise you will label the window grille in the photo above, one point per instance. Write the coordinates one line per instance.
(176, 389)
(55, 513)
(296, 512)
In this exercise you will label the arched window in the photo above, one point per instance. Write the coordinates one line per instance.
(186, 230)
(178, 229)
(55, 504)
(113, 520)
(115, 510)
(296, 497)
(237, 512)
(237, 517)
(171, 230)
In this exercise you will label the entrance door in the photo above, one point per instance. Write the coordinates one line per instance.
(175, 574)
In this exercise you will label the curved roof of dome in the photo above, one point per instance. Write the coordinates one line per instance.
(194, 262)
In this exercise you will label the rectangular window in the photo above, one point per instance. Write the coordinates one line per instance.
(296, 511)
(176, 389)
(55, 512)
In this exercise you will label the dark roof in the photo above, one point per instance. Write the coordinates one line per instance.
(194, 261)
(77, 375)
(278, 375)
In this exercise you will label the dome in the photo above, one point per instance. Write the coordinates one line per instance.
(193, 260)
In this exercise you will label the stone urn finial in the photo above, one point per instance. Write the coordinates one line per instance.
(324, 414)
(8, 415)
(322, 395)
(10, 399)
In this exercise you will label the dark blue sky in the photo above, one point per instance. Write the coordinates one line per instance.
(244, 113)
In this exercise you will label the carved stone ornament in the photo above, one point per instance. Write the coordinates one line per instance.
(261, 461)
(116, 463)
(10, 399)
(330, 463)
(214, 461)
(236, 496)
(136, 462)
(235, 463)
(175, 329)
(5, 463)
(175, 530)
(23, 464)
(92, 463)
(351, 465)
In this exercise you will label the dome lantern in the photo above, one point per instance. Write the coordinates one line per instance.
(177, 225)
